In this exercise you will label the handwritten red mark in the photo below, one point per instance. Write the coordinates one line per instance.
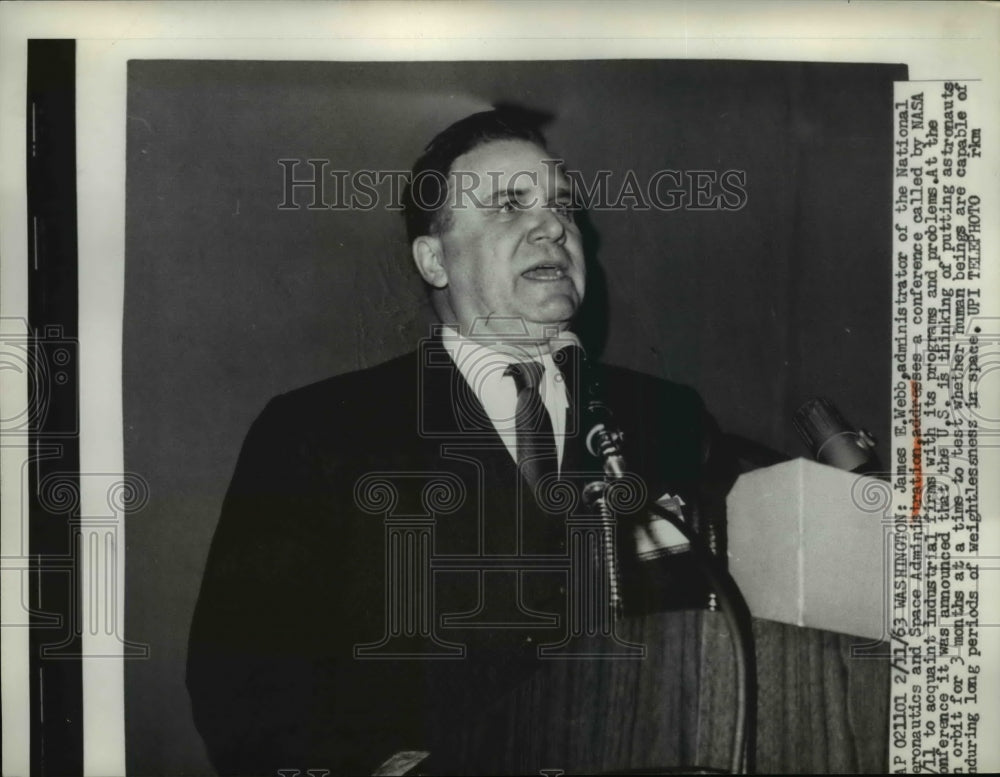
(918, 464)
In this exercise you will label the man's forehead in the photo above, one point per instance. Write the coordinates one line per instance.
(506, 162)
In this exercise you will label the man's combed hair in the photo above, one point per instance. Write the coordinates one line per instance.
(426, 192)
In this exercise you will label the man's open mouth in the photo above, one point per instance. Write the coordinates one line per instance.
(545, 272)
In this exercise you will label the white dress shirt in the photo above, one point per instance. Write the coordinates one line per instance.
(483, 369)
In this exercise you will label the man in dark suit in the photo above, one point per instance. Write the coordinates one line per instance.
(396, 548)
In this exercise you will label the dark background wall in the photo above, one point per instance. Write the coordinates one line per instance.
(229, 300)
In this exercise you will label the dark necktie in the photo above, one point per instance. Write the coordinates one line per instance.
(536, 443)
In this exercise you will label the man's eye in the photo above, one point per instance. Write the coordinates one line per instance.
(510, 206)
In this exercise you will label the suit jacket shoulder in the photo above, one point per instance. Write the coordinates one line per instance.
(350, 400)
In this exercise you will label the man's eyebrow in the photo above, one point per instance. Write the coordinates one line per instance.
(505, 192)
(563, 191)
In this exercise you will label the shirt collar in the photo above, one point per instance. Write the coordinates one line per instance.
(483, 369)
(481, 364)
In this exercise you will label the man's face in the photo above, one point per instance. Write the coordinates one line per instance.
(509, 251)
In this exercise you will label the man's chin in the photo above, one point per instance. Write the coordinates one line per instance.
(557, 312)
(532, 322)
(546, 327)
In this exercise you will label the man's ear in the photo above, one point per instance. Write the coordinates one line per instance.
(428, 256)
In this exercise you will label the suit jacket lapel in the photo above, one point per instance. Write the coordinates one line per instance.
(456, 425)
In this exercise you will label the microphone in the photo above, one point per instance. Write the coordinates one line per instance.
(832, 440)
(604, 442)
(604, 439)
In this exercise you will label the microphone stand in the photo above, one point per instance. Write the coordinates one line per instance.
(604, 441)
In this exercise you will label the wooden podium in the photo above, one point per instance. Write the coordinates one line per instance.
(823, 696)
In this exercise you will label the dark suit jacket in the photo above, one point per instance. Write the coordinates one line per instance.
(297, 574)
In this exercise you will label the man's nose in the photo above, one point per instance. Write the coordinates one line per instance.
(547, 225)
